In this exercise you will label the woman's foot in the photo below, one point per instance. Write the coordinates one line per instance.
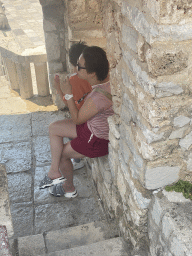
(58, 190)
(48, 182)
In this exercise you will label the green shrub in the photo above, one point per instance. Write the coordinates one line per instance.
(181, 186)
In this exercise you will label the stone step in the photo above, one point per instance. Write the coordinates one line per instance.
(66, 238)
(112, 247)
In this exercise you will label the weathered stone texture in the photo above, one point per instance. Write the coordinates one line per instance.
(148, 45)
(169, 228)
(162, 62)
(170, 12)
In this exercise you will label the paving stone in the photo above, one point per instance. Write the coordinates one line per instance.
(41, 121)
(22, 217)
(42, 151)
(20, 187)
(15, 128)
(16, 156)
(31, 245)
(71, 212)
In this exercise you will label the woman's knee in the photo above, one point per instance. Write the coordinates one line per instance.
(52, 127)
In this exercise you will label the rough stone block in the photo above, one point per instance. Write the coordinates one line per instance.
(42, 150)
(140, 195)
(16, 156)
(139, 22)
(25, 80)
(168, 89)
(166, 63)
(124, 150)
(31, 245)
(114, 142)
(15, 127)
(153, 32)
(113, 161)
(52, 46)
(130, 37)
(156, 211)
(55, 67)
(20, 187)
(152, 135)
(126, 114)
(189, 162)
(167, 225)
(175, 197)
(160, 11)
(121, 184)
(22, 217)
(181, 121)
(161, 176)
(42, 78)
(178, 134)
(186, 142)
(113, 127)
(135, 172)
(142, 77)
(76, 8)
(48, 26)
(129, 84)
(138, 216)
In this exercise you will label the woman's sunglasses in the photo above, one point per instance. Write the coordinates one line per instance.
(79, 67)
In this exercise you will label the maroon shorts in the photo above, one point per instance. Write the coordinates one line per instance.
(88, 144)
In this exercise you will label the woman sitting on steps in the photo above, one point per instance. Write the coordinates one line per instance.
(88, 126)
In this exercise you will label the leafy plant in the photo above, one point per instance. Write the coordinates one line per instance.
(181, 186)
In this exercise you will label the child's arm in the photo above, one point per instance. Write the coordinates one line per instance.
(58, 88)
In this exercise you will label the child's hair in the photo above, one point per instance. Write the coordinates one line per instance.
(75, 51)
(96, 61)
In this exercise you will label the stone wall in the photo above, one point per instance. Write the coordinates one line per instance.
(170, 224)
(148, 44)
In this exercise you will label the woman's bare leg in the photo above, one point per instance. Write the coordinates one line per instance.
(66, 166)
(58, 130)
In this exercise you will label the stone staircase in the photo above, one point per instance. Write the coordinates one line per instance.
(94, 238)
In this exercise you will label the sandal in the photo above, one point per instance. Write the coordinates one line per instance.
(58, 190)
(47, 182)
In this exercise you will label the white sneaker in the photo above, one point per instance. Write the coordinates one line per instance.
(77, 166)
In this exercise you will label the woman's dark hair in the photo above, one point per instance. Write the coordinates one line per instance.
(96, 61)
(75, 51)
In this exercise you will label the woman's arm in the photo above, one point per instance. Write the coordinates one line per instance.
(87, 111)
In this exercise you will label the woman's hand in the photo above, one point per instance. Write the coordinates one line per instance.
(66, 86)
